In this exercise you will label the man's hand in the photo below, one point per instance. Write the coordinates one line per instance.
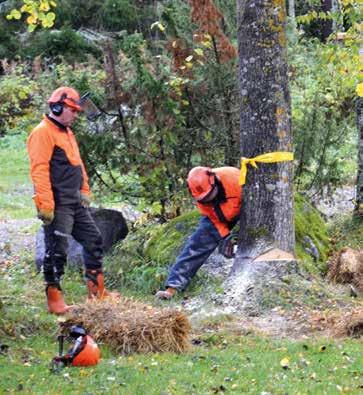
(85, 200)
(47, 216)
(226, 246)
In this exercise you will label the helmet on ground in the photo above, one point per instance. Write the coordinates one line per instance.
(77, 330)
(201, 181)
(66, 95)
(90, 354)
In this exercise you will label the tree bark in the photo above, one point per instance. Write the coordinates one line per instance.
(292, 9)
(326, 27)
(359, 195)
(267, 210)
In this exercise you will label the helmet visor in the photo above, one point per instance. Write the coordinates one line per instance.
(89, 108)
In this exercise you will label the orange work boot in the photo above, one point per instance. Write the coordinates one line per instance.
(166, 295)
(56, 304)
(96, 286)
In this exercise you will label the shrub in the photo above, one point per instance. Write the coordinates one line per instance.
(63, 44)
(20, 100)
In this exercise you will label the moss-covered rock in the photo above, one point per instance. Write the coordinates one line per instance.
(309, 223)
(142, 260)
(166, 243)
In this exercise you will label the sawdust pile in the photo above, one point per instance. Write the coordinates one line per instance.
(129, 327)
(346, 266)
(340, 324)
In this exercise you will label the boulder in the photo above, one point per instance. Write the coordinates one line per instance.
(111, 224)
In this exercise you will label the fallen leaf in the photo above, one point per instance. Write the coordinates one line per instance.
(285, 362)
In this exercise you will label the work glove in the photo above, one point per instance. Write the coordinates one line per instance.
(47, 216)
(227, 245)
(85, 200)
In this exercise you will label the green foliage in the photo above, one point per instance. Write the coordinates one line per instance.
(63, 44)
(19, 96)
(346, 231)
(9, 43)
(119, 15)
(169, 117)
(109, 15)
(323, 115)
(38, 12)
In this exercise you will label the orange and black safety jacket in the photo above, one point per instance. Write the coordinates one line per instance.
(224, 211)
(56, 167)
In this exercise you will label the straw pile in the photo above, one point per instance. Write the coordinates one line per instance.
(340, 323)
(129, 327)
(346, 266)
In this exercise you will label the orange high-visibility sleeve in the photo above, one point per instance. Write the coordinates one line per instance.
(40, 147)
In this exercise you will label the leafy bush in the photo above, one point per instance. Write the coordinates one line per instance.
(9, 43)
(323, 114)
(114, 15)
(20, 100)
(63, 44)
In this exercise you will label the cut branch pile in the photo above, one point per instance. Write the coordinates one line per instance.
(346, 266)
(130, 327)
(340, 324)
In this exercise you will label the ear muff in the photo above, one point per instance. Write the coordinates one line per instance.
(212, 178)
(56, 108)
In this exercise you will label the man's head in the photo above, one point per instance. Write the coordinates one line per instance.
(64, 105)
(202, 184)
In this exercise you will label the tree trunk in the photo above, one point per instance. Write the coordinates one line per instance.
(326, 27)
(267, 211)
(267, 240)
(359, 196)
(292, 10)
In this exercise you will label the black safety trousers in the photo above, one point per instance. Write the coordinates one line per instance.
(75, 220)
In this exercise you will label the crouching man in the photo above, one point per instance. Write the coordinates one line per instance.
(218, 196)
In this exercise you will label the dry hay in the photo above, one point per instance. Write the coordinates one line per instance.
(129, 327)
(340, 324)
(346, 266)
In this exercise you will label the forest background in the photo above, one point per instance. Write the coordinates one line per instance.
(171, 86)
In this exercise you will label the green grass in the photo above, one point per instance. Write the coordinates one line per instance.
(222, 363)
(231, 365)
(15, 185)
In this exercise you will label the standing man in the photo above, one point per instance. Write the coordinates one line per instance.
(62, 197)
(218, 196)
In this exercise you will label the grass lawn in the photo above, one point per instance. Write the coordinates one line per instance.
(233, 365)
(222, 363)
(15, 185)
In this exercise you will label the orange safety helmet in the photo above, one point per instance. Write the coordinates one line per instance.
(66, 95)
(201, 181)
(89, 356)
